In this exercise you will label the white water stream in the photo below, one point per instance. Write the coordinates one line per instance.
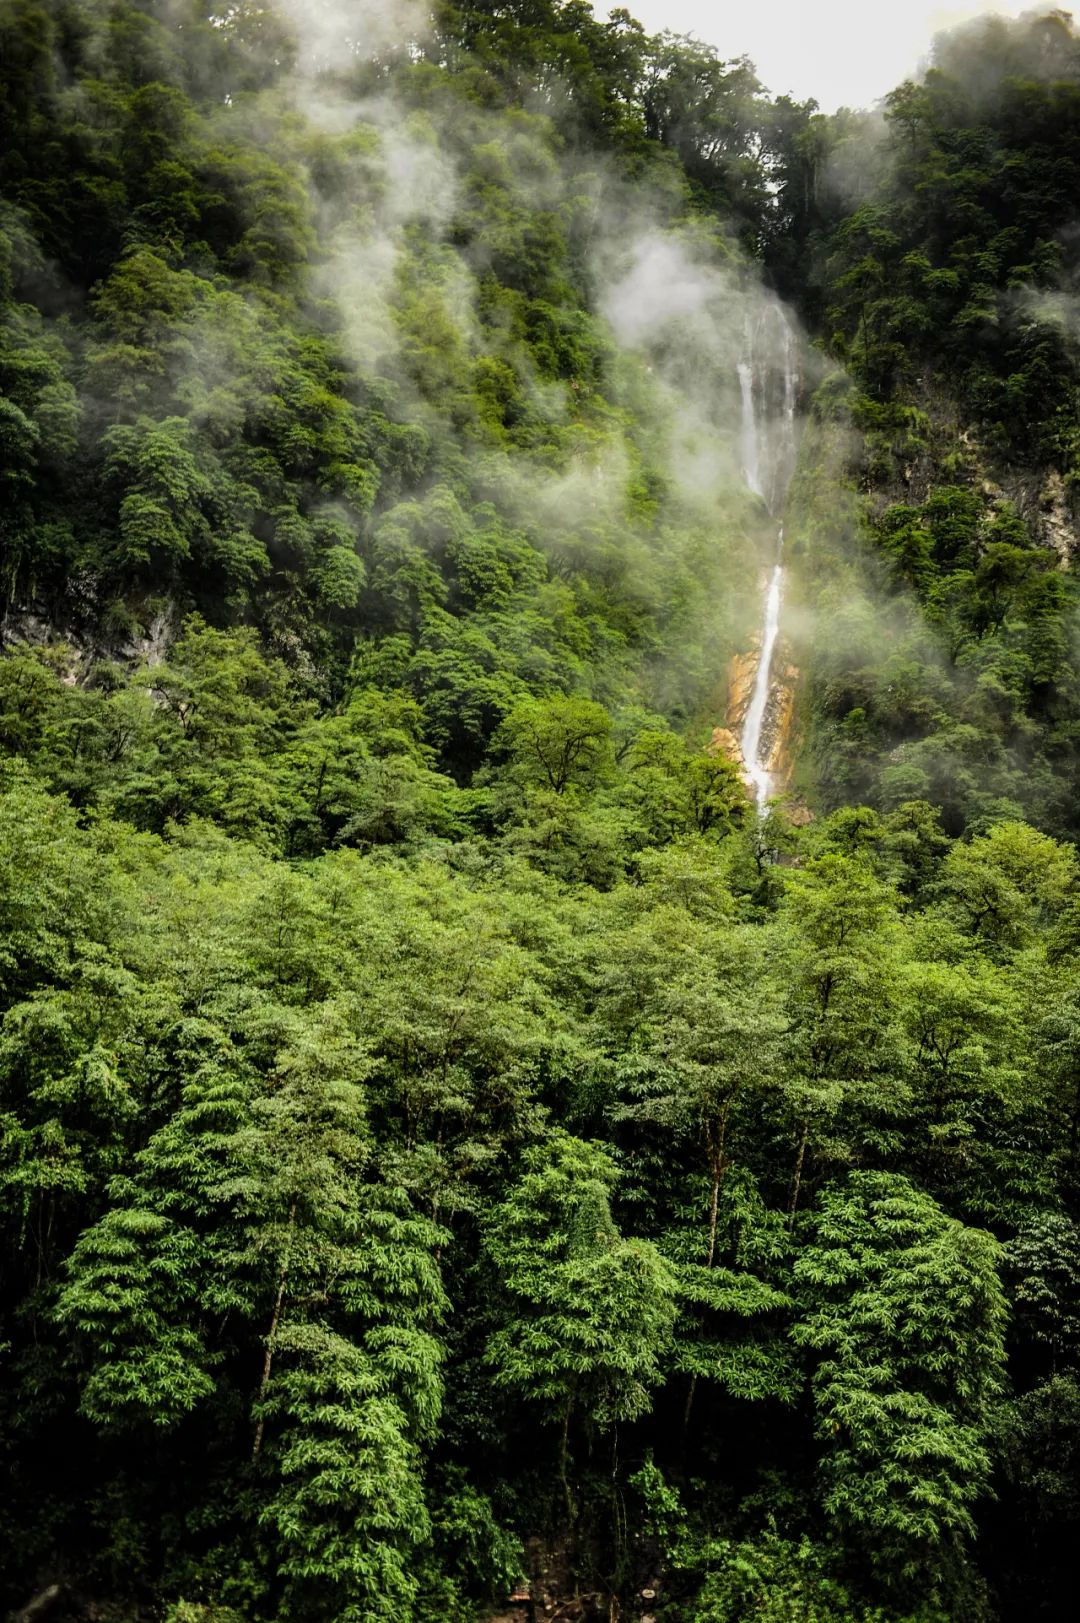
(768, 453)
(753, 753)
(750, 458)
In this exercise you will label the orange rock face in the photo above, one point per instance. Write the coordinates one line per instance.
(740, 688)
(779, 720)
(782, 719)
(727, 742)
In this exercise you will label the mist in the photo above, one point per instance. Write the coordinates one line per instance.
(539, 790)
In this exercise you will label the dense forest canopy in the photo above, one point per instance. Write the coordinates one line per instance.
(450, 1145)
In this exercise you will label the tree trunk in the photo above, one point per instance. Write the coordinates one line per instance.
(690, 1391)
(564, 1454)
(717, 1166)
(714, 1212)
(275, 1319)
(1074, 1124)
(796, 1180)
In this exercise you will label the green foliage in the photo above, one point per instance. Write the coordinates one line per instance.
(557, 744)
(445, 1137)
(949, 672)
(594, 1311)
(776, 1579)
(905, 1308)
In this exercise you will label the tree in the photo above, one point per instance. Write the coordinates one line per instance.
(249, 1218)
(588, 1313)
(1000, 883)
(841, 999)
(557, 744)
(905, 1312)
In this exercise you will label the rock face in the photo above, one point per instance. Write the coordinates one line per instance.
(1057, 525)
(779, 719)
(740, 687)
(147, 645)
(727, 743)
(781, 759)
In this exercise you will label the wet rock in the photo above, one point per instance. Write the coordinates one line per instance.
(740, 689)
(1055, 519)
(781, 757)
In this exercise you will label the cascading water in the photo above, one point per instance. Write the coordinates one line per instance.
(768, 454)
(749, 428)
(752, 752)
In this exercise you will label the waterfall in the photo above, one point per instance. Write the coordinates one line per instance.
(749, 429)
(768, 454)
(755, 716)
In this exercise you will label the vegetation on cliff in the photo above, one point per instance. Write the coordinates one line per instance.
(445, 1138)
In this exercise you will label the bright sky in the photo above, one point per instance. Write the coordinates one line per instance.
(841, 52)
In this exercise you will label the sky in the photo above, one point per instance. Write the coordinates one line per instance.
(841, 52)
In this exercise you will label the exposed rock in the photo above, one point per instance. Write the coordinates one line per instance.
(740, 687)
(22, 626)
(779, 717)
(1055, 518)
(160, 634)
(781, 761)
(727, 743)
(992, 493)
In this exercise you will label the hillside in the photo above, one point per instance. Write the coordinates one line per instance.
(460, 1159)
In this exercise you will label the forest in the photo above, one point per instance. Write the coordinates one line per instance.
(462, 1160)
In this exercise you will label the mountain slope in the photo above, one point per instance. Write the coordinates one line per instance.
(449, 1145)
